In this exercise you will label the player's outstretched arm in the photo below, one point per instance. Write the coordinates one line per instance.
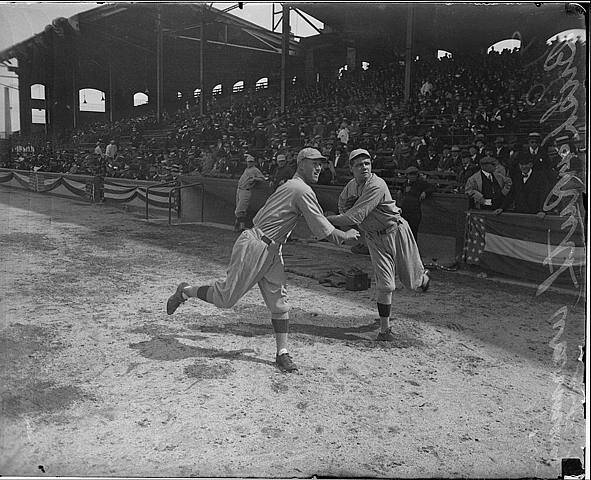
(340, 220)
(338, 237)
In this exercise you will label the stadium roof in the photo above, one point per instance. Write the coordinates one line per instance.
(454, 27)
(124, 33)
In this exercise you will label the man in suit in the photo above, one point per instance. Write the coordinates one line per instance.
(537, 155)
(501, 152)
(415, 191)
(466, 170)
(486, 188)
(528, 192)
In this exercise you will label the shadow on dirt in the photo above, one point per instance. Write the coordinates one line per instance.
(315, 332)
(169, 348)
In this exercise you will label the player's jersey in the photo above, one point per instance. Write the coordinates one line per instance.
(292, 200)
(249, 177)
(374, 209)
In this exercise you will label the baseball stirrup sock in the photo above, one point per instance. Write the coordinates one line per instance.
(280, 325)
(202, 293)
(384, 310)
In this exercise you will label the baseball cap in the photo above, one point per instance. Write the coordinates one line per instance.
(359, 152)
(281, 157)
(249, 158)
(412, 169)
(310, 154)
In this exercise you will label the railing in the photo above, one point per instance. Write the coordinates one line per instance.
(179, 188)
(156, 185)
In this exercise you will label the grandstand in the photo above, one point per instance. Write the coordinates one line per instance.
(213, 104)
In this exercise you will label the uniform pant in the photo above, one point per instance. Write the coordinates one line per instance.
(242, 202)
(395, 252)
(254, 262)
(414, 220)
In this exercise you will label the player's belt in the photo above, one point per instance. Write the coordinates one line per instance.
(389, 229)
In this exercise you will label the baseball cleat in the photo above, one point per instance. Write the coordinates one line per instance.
(176, 298)
(387, 336)
(285, 363)
(426, 281)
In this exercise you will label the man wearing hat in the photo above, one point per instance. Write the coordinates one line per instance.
(528, 191)
(486, 188)
(415, 191)
(248, 180)
(501, 152)
(257, 257)
(282, 173)
(466, 169)
(534, 152)
(366, 202)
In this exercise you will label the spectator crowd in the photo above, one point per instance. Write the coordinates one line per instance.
(466, 116)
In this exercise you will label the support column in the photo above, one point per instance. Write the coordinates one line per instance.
(159, 88)
(284, 54)
(351, 59)
(7, 119)
(75, 99)
(408, 62)
(309, 75)
(24, 95)
(111, 97)
(201, 64)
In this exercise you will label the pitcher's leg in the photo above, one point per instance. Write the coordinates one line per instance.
(382, 260)
(409, 264)
(247, 266)
(274, 292)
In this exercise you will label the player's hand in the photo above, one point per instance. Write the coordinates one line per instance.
(422, 196)
(541, 215)
(498, 211)
(352, 236)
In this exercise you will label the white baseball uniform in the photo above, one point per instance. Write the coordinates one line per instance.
(256, 255)
(392, 246)
(247, 181)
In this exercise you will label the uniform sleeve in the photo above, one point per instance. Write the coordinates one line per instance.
(308, 205)
(369, 199)
(344, 199)
(258, 175)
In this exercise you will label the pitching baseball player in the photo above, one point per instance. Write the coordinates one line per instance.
(256, 255)
(366, 202)
(249, 178)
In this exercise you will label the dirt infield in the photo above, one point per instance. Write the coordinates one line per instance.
(97, 380)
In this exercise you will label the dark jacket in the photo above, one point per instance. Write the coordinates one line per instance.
(411, 204)
(527, 197)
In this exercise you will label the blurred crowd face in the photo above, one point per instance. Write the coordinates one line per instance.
(488, 164)
(525, 167)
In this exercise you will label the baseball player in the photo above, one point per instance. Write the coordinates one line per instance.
(366, 202)
(256, 255)
(249, 178)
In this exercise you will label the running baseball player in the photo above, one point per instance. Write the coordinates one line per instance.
(256, 255)
(366, 202)
(249, 178)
